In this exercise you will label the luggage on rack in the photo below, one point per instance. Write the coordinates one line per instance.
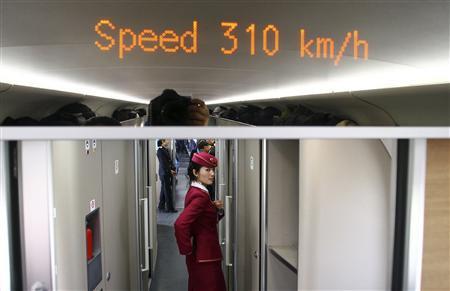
(71, 114)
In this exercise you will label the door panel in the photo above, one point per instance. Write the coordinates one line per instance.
(115, 214)
(77, 181)
(249, 179)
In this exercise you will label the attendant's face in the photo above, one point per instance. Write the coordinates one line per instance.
(206, 148)
(205, 175)
(166, 143)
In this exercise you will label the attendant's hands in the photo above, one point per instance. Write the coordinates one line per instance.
(218, 204)
(173, 172)
(198, 113)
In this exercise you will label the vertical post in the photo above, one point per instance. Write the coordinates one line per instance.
(137, 207)
(400, 216)
(263, 219)
(415, 214)
(5, 267)
(236, 211)
(409, 215)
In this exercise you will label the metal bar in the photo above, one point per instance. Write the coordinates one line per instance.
(228, 205)
(146, 240)
(14, 217)
(136, 192)
(281, 132)
(400, 215)
(150, 205)
(415, 214)
(263, 221)
(236, 210)
(5, 267)
(223, 236)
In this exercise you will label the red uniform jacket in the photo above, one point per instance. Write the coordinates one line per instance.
(198, 221)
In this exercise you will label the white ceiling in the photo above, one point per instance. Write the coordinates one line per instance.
(51, 44)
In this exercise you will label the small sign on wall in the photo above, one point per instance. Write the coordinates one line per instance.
(92, 205)
(116, 167)
(252, 163)
(87, 146)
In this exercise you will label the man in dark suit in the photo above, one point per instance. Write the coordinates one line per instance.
(166, 171)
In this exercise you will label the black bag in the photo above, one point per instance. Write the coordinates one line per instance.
(230, 113)
(77, 108)
(141, 111)
(124, 114)
(266, 115)
(103, 121)
(248, 114)
(21, 121)
(70, 114)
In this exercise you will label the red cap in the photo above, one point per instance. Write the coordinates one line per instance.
(205, 159)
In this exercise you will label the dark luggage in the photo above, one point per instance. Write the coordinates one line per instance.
(21, 121)
(302, 115)
(75, 108)
(230, 113)
(124, 114)
(141, 111)
(266, 116)
(70, 114)
(63, 119)
(248, 114)
(102, 121)
(218, 111)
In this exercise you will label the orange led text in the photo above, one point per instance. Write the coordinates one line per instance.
(325, 47)
(146, 40)
(265, 40)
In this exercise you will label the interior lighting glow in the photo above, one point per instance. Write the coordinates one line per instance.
(14, 76)
(381, 79)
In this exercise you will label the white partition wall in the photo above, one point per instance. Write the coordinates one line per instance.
(36, 207)
(282, 214)
(345, 215)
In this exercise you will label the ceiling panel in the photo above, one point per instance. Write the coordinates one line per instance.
(408, 44)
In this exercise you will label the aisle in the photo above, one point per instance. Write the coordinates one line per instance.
(170, 272)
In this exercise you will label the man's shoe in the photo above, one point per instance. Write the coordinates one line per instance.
(172, 211)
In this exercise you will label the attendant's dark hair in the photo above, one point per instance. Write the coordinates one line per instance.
(201, 144)
(160, 141)
(193, 166)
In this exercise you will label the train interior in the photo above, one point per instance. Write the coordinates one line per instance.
(300, 214)
(337, 63)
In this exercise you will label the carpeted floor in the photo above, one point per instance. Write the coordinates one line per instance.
(170, 272)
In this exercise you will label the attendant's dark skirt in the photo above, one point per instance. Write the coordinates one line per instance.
(205, 276)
